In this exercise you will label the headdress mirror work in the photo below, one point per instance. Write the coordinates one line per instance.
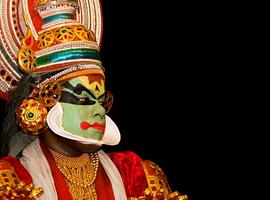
(36, 34)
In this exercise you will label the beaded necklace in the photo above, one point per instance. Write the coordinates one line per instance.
(80, 174)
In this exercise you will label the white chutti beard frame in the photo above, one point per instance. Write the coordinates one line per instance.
(54, 120)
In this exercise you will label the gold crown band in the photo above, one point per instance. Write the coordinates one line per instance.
(44, 2)
(74, 71)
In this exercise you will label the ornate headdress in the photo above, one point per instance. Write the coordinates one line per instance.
(43, 36)
(46, 35)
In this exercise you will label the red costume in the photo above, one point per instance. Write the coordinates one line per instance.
(135, 174)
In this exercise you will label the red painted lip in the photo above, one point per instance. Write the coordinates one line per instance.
(85, 125)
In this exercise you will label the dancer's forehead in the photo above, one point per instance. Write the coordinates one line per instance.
(91, 83)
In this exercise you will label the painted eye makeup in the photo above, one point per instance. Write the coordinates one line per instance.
(102, 100)
(86, 101)
(79, 95)
(67, 97)
(83, 100)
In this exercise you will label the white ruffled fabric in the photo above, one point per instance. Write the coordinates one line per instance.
(114, 176)
(37, 165)
(111, 136)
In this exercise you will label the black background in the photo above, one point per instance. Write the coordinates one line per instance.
(169, 66)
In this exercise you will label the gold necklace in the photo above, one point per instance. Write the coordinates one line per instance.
(80, 174)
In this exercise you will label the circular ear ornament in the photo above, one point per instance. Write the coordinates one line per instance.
(31, 116)
(49, 93)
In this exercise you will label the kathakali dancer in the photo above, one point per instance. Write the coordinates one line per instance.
(56, 116)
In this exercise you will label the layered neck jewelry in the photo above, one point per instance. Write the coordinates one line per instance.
(80, 174)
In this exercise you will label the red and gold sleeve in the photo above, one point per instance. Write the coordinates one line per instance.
(15, 181)
(143, 179)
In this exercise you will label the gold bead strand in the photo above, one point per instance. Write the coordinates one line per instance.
(80, 174)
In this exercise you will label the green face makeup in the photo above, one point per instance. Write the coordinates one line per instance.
(83, 112)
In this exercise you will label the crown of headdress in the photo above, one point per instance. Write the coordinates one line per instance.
(47, 35)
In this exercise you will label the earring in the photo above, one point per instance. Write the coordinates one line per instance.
(49, 93)
(31, 116)
(32, 112)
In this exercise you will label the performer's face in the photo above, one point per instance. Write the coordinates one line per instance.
(82, 101)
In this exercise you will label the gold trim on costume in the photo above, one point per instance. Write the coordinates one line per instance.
(12, 188)
(158, 186)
